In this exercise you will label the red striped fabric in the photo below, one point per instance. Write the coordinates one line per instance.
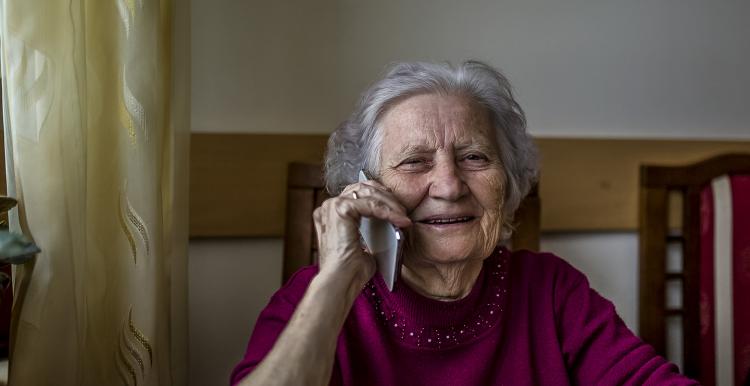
(741, 274)
(740, 197)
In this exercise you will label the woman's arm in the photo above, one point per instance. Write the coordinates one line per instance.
(304, 352)
(598, 347)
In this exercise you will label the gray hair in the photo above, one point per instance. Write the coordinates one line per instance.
(356, 143)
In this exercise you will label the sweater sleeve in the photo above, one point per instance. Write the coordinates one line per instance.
(271, 322)
(597, 346)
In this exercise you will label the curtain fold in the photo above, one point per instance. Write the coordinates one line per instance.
(97, 126)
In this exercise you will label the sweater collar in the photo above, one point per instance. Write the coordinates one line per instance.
(423, 321)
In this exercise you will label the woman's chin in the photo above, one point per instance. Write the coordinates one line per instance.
(445, 253)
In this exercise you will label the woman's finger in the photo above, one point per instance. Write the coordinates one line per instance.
(370, 206)
(362, 190)
(369, 184)
(377, 185)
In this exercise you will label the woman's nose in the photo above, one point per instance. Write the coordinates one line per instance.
(447, 182)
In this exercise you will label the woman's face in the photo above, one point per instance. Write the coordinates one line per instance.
(442, 163)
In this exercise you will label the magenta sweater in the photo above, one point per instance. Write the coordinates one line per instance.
(531, 319)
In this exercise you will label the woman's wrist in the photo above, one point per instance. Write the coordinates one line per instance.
(342, 280)
(307, 344)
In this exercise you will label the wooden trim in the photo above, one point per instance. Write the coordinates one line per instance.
(238, 181)
(592, 184)
(694, 175)
(297, 244)
(652, 234)
(528, 217)
(304, 175)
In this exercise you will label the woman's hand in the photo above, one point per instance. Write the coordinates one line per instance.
(337, 225)
(304, 352)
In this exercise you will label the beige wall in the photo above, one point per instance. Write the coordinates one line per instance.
(672, 69)
(230, 282)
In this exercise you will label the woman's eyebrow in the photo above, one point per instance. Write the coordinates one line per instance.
(414, 149)
(474, 146)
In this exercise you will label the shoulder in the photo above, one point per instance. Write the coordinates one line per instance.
(540, 267)
(548, 279)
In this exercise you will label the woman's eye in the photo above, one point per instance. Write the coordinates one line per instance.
(476, 157)
(413, 163)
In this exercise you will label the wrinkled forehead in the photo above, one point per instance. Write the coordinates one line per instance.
(435, 121)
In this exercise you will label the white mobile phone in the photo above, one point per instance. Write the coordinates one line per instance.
(383, 240)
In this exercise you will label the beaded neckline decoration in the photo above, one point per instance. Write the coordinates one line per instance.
(490, 303)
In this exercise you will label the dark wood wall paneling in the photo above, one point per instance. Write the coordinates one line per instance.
(238, 181)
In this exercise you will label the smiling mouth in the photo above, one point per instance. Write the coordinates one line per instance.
(448, 221)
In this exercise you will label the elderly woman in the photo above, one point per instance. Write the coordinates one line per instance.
(451, 161)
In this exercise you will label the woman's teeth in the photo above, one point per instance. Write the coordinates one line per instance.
(448, 220)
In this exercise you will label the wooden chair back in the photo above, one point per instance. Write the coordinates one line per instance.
(306, 191)
(656, 185)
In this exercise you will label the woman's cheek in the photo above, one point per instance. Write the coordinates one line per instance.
(407, 191)
(491, 228)
(492, 224)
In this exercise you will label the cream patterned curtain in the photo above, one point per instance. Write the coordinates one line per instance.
(95, 111)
